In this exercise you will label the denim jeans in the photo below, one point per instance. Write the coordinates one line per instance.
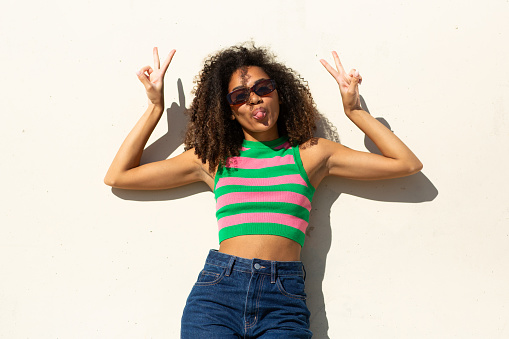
(247, 298)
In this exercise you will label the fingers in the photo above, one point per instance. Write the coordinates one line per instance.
(354, 82)
(167, 61)
(147, 69)
(329, 68)
(143, 77)
(348, 82)
(354, 73)
(339, 66)
(156, 58)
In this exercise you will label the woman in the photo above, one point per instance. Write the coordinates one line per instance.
(250, 140)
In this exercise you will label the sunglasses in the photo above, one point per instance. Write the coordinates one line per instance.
(241, 95)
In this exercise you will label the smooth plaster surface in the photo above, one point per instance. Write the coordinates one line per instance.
(418, 257)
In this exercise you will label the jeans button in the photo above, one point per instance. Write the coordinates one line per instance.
(257, 266)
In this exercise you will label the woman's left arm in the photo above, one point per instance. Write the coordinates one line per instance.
(397, 159)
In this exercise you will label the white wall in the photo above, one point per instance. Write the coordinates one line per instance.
(419, 257)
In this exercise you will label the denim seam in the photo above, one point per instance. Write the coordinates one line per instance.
(293, 274)
(210, 273)
(210, 283)
(283, 291)
(296, 274)
(260, 285)
(222, 266)
(238, 270)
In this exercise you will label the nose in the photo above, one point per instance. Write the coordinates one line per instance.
(254, 98)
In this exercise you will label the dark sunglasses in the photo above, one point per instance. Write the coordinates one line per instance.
(241, 95)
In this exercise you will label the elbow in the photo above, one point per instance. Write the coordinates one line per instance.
(415, 167)
(116, 179)
(110, 181)
(420, 166)
(408, 167)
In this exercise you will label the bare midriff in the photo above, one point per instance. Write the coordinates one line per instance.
(265, 247)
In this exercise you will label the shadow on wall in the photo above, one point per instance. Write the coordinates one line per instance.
(160, 150)
(413, 189)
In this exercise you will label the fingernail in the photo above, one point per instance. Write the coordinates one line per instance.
(356, 73)
(138, 73)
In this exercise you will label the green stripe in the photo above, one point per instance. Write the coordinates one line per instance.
(264, 150)
(301, 189)
(262, 228)
(261, 207)
(303, 174)
(263, 154)
(265, 144)
(269, 172)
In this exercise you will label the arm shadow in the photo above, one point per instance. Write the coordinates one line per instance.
(416, 188)
(161, 149)
(413, 189)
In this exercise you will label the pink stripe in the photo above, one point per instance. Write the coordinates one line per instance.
(278, 218)
(240, 197)
(286, 145)
(244, 148)
(283, 179)
(253, 163)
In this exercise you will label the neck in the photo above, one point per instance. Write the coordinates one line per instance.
(262, 136)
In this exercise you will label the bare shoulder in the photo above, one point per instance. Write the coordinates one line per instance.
(319, 148)
(315, 154)
(201, 167)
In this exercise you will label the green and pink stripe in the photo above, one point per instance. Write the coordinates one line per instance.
(265, 190)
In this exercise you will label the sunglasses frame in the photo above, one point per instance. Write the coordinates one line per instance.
(249, 90)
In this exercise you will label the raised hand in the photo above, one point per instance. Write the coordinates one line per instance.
(153, 78)
(348, 83)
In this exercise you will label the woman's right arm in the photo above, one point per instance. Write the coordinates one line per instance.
(125, 170)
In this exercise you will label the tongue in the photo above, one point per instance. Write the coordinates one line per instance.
(259, 115)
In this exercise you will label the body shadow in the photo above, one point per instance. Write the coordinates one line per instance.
(416, 188)
(412, 189)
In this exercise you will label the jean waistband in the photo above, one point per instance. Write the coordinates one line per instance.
(268, 267)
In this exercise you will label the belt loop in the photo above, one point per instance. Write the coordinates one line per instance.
(304, 271)
(230, 266)
(272, 272)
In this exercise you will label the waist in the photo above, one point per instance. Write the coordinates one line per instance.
(267, 247)
(261, 266)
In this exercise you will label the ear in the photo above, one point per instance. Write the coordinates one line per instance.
(232, 117)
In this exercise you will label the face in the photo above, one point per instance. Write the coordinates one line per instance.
(258, 115)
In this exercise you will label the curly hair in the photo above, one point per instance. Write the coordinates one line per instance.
(211, 132)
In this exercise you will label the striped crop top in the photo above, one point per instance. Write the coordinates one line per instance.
(264, 190)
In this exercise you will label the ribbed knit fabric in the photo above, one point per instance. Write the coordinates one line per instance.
(264, 190)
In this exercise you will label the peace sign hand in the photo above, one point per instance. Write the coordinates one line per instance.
(153, 78)
(348, 83)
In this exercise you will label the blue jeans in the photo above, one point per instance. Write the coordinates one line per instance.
(247, 298)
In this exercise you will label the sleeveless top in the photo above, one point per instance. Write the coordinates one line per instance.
(265, 190)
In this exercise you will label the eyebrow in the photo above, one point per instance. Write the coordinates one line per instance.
(240, 87)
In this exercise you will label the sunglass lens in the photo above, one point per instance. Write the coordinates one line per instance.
(264, 87)
(238, 96)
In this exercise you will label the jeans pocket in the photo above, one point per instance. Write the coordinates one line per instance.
(210, 275)
(291, 286)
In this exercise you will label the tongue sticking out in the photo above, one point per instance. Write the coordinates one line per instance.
(259, 115)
